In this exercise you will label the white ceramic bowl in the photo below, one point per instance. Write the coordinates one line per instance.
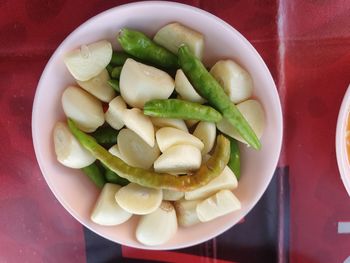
(340, 141)
(73, 189)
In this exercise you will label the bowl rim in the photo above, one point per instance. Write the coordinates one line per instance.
(273, 87)
(340, 142)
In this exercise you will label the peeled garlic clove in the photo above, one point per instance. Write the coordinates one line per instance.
(179, 159)
(99, 87)
(226, 180)
(135, 151)
(235, 80)
(106, 211)
(253, 113)
(115, 113)
(172, 195)
(157, 227)
(141, 124)
(222, 203)
(173, 35)
(186, 212)
(68, 150)
(206, 132)
(168, 136)
(88, 61)
(185, 89)
(140, 83)
(169, 122)
(191, 123)
(116, 152)
(83, 108)
(139, 200)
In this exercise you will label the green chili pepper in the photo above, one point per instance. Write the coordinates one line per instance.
(105, 135)
(115, 74)
(114, 83)
(139, 45)
(206, 85)
(112, 177)
(181, 109)
(207, 171)
(95, 174)
(234, 163)
(109, 69)
(119, 58)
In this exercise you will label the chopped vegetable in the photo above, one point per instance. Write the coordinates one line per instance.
(135, 151)
(210, 89)
(69, 151)
(99, 87)
(139, 45)
(136, 121)
(235, 80)
(139, 200)
(106, 211)
(168, 136)
(88, 61)
(115, 113)
(181, 109)
(206, 132)
(253, 113)
(185, 89)
(179, 159)
(169, 122)
(186, 212)
(114, 83)
(112, 177)
(207, 172)
(140, 83)
(83, 108)
(226, 180)
(173, 35)
(157, 227)
(93, 171)
(222, 203)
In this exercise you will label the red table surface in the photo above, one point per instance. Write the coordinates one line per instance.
(305, 44)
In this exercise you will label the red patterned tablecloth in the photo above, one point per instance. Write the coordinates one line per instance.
(305, 44)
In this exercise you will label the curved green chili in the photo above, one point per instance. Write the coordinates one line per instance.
(119, 58)
(95, 174)
(206, 85)
(235, 160)
(139, 45)
(112, 177)
(207, 171)
(181, 109)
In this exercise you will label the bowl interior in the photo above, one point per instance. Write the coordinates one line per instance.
(341, 151)
(71, 187)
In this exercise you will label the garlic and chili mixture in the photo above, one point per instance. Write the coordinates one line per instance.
(158, 121)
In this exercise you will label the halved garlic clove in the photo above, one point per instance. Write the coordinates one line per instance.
(169, 122)
(140, 83)
(206, 132)
(226, 180)
(157, 227)
(115, 113)
(139, 200)
(141, 124)
(185, 89)
(83, 108)
(222, 203)
(254, 114)
(179, 159)
(173, 35)
(168, 136)
(235, 80)
(89, 60)
(186, 212)
(106, 211)
(69, 151)
(99, 87)
(172, 195)
(135, 151)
